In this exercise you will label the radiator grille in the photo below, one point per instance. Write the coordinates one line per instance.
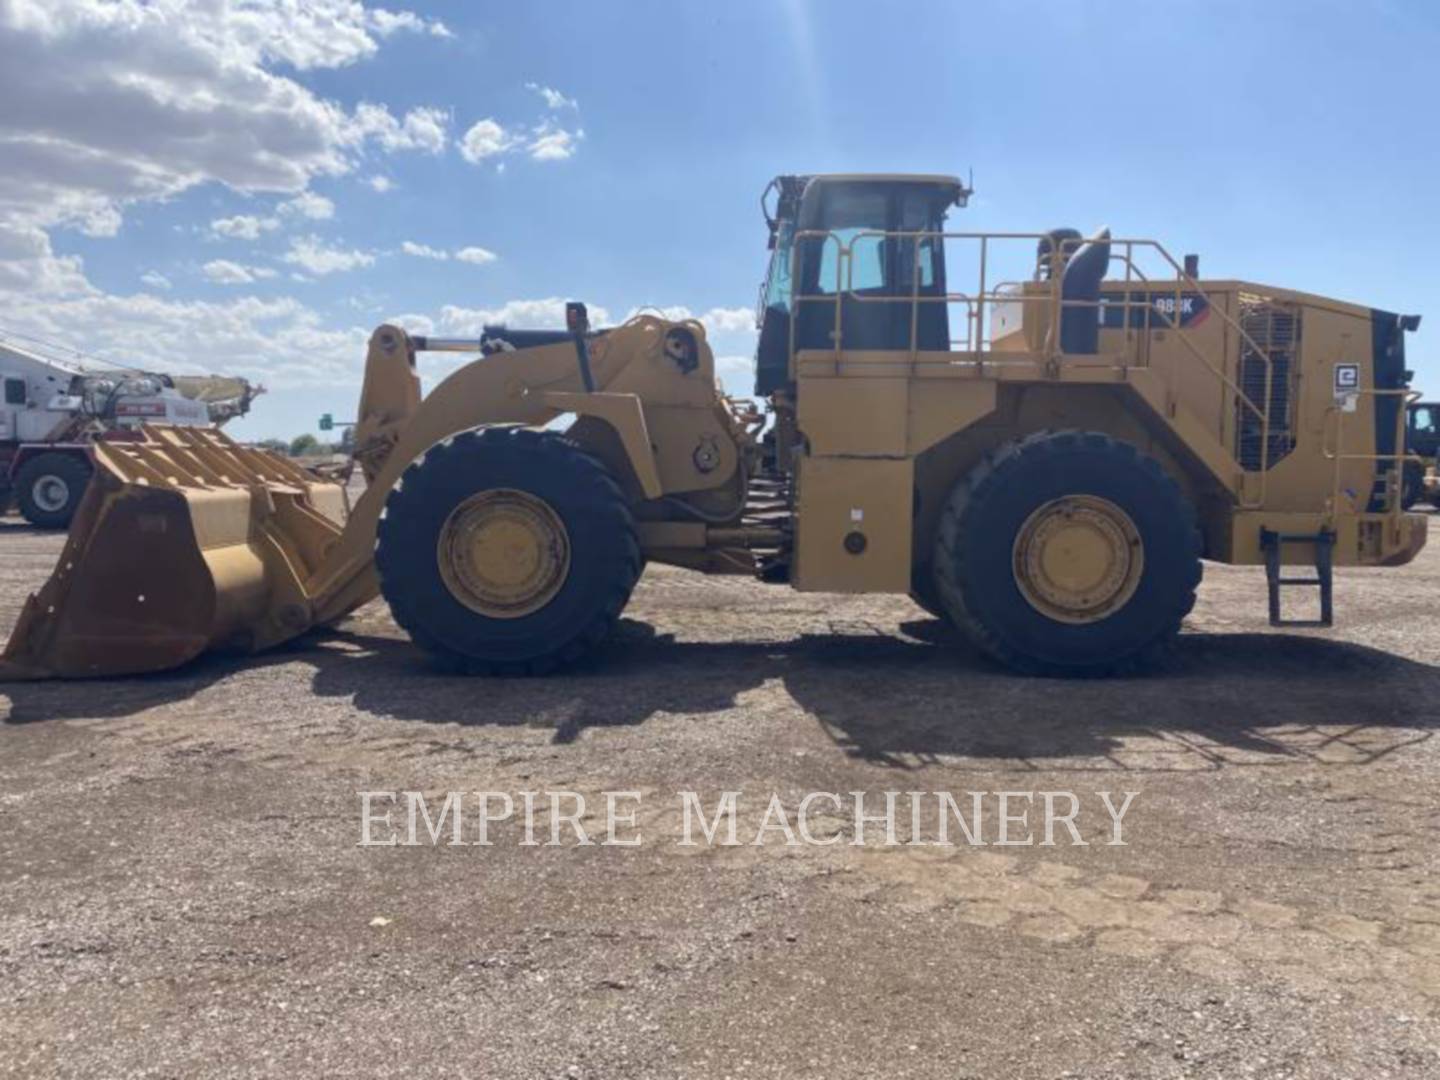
(1275, 329)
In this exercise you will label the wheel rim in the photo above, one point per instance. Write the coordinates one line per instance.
(1078, 559)
(50, 493)
(504, 553)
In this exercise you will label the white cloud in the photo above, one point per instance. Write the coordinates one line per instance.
(554, 99)
(553, 144)
(243, 226)
(386, 23)
(546, 141)
(413, 324)
(320, 33)
(476, 255)
(132, 101)
(717, 320)
(309, 205)
(736, 320)
(546, 314)
(155, 279)
(278, 341)
(674, 313)
(29, 266)
(486, 138)
(100, 221)
(128, 101)
(423, 251)
(225, 272)
(312, 255)
(382, 184)
(426, 129)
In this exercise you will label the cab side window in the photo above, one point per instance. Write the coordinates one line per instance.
(1423, 420)
(15, 392)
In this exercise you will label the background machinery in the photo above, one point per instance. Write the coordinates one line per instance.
(55, 407)
(1422, 441)
(1037, 436)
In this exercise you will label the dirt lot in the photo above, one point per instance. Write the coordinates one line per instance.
(182, 893)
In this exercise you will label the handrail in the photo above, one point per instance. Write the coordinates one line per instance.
(1394, 479)
(1122, 250)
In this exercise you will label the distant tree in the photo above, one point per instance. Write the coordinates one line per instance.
(304, 444)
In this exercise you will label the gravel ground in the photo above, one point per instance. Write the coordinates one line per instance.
(183, 894)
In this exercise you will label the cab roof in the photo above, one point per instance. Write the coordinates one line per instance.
(959, 190)
(893, 178)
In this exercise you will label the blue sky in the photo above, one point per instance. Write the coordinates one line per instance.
(230, 217)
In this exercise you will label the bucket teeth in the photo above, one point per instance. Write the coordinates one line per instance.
(185, 542)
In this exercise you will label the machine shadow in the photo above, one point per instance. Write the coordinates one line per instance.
(1222, 700)
(907, 700)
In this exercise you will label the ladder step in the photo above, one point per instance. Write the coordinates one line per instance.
(1323, 542)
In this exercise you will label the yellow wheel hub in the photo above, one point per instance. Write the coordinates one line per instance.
(1078, 559)
(504, 553)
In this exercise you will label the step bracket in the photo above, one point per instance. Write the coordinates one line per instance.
(1323, 543)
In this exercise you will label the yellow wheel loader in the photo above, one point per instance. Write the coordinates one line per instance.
(1037, 436)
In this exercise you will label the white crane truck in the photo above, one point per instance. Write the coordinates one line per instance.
(53, 407)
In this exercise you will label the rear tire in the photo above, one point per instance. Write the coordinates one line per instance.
(546, 483)
(1068, 554)
(49, 487)
(926, 595)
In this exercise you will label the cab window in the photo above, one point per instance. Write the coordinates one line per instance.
(1423, 419)
(15, 392)
(777, 282)
(867, 264)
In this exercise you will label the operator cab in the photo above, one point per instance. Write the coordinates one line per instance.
(1422, 428)
(831, 232)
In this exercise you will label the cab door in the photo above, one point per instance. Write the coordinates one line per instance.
(14, 400)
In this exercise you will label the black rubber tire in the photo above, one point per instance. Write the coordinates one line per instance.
(72, 469)
(974, 554)
(604, 551)
(926, 595)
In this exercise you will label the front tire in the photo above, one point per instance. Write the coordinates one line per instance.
(507, 551)
(1068, 554)
(49, 487)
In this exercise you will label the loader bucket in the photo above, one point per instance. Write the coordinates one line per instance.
(185, 541)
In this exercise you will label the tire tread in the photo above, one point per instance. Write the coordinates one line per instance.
(967, 507)
(549, 449)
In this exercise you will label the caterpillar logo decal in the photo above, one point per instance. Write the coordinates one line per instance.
(1152, 311)
(1347, 386)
